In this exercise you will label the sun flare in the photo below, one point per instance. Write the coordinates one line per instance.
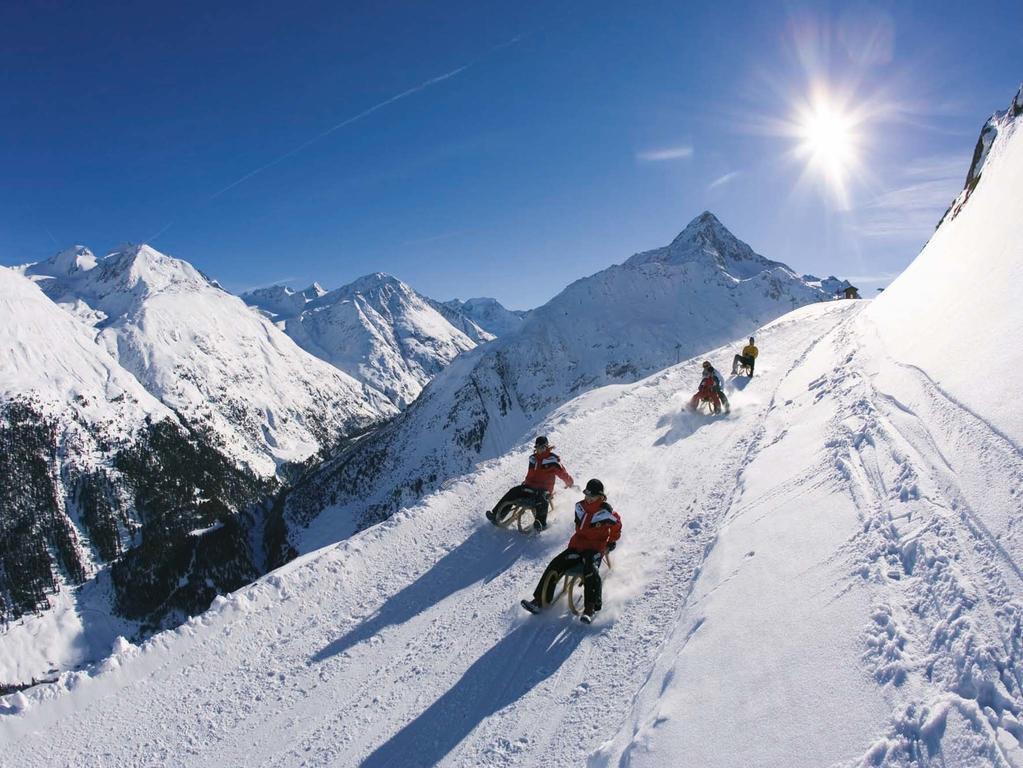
(828, 141)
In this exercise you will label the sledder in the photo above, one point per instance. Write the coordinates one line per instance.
(710, 391)
(597, 530)
(538, 488)
(746, 359)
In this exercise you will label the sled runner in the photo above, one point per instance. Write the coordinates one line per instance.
(570, 584)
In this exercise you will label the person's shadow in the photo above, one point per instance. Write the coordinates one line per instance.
(481, 557)
(681, 424)
(526, 657)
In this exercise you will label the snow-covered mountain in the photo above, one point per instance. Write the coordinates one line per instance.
(282, 301)
(830, 576)
(205, 355)
(376, 329)
(487, 314)
(462, 322)
(831, 285)
(625, 322)
(93, 470)
(140, 403)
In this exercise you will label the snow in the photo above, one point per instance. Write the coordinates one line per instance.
(968, 274)
(488, 314)
(78, 629)
(376, 329)
(52, 358)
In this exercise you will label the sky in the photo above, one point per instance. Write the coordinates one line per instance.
(491, 149)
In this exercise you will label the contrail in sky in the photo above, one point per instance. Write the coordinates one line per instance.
(365, 113)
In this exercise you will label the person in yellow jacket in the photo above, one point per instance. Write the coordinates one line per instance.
(747, 358)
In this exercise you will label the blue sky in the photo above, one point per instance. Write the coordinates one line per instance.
(482, 148)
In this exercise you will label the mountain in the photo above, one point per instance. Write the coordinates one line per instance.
(280, 300)
(95, 471)
(376, 329)
(206, 356)
(830, 284)
(140, 404)
(616, 326)
(488, 314)
(462, 321)
(832, 572)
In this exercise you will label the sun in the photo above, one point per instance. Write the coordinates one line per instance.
(828, 137)
(828, 141)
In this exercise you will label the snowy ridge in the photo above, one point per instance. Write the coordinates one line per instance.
(969, 271)
(1000, 123)
(615, 326)
(53, 359)
(376, 329)
(487, 314)
(202, 353)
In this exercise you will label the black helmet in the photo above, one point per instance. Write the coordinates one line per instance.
(750, 339)
(706, 364)
(594, 487)
(541, 443)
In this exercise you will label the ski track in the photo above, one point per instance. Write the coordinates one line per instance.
(945, 638)
(405, 645)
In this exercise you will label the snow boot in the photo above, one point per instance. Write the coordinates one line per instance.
(531, 605)
(587, 617)
(490, 516)
(538, 526)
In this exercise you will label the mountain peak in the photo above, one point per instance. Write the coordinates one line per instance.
(706, 240)
(77, 258)
(705, 228)
(372, 281)
(314, 291)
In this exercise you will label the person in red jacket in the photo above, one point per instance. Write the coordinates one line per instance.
(597, 530)
(710, 389)
(544, 467)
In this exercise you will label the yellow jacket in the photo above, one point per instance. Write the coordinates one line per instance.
(750, 351)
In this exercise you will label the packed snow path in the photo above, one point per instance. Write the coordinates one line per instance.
(806, 582)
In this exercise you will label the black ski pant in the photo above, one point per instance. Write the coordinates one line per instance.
(539, 498)
(592, 585)
(724, 399)
(743, 360)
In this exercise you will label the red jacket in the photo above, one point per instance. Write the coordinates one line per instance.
(708, 387)
(596, 526)
(543, 468)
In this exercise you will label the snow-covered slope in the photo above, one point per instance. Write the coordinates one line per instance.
(52, 358)
(376, 329)
(969, 274)
(487, 314)
(205, 355)
(615, 326)
(830, 576)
